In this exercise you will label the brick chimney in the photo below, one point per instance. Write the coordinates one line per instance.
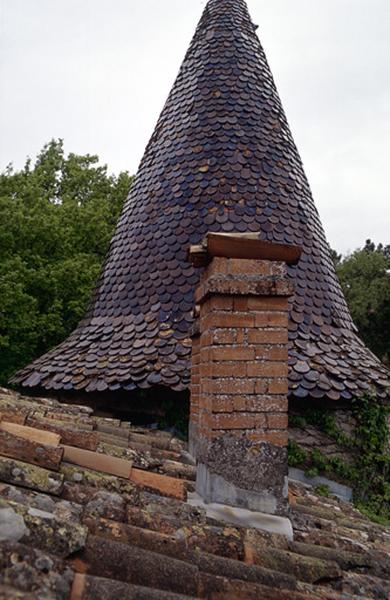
(239, 408)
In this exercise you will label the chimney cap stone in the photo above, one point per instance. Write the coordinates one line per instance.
(241, 245)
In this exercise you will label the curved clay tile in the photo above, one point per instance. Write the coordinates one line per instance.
(221, 159)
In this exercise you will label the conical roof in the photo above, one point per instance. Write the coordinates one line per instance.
(221, 158)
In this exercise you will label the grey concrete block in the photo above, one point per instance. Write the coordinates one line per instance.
(214, 488)
(337, 489)
(242, 517)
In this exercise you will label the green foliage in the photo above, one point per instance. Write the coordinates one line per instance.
(312, 472)
(369, 471)
(58, 217)
(373, 462)
(365, 278)
(323, 490)
(325, 421)
(296, 455)
(319, 461)
(296, 421)
(373, 516)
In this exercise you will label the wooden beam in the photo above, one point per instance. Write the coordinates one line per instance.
(241, 245)
(250, 246)
(48, 457)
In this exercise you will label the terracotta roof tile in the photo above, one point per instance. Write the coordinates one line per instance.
(83, 534)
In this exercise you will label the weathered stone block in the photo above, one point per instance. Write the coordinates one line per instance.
(236, 471)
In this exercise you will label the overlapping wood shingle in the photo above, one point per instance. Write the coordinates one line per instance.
(221, 159)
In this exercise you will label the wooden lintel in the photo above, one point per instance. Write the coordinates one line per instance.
(250, 246)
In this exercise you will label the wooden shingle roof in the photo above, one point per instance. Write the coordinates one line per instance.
(221, 159)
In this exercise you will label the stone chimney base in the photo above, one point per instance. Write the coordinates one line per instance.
(238, 472)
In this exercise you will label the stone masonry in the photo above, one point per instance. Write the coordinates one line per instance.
(239, 419)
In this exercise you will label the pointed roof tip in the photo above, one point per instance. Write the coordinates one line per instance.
(222, 159)
(232, 11)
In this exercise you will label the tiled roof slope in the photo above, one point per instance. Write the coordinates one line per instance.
(74, 532)
(221, 158)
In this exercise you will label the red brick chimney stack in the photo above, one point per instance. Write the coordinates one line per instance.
(239, 419)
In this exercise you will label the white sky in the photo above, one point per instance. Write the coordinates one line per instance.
(97, 73)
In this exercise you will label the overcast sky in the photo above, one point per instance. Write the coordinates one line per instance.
(97, 73)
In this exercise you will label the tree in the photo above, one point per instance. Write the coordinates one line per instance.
(57, 220)
(365, 279)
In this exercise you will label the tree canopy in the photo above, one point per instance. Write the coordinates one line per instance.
(57, 219)
(365, 279)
